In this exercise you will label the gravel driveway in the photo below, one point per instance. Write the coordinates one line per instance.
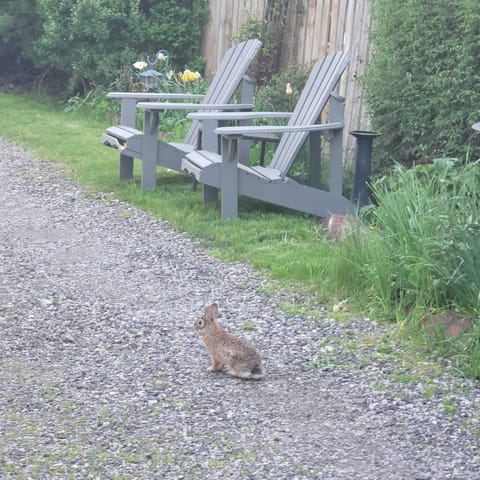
(102, 376)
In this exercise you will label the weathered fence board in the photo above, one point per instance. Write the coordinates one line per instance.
(313, 28)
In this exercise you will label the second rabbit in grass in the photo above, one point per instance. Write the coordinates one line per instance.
(230, 353)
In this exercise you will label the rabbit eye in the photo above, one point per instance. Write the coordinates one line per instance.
(200, 322)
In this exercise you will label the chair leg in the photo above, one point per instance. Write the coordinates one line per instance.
(194, 184)
(229, 203)
(126, 167)
(127, 117)
(149, 174)
(336, 147)
(210, 195)
(336, 166)
(150, 151)
(315, 174)
(262, 154)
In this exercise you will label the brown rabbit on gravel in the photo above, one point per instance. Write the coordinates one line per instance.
(238, 357)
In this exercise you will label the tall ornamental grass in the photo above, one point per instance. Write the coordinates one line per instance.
(423, 247)
(419, 252)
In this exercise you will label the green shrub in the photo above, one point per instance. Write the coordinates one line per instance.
(423, 80)
(19, 27)
(418, 252)
(19, 24)
(87, 43)
(422, 247)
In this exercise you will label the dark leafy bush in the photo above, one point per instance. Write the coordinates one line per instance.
(86, 40)
(87, 43)
(423, 81)
(175, 25)
(19, 27)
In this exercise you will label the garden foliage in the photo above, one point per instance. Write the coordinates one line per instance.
(88, 42)
(417, 253)
(423, 81)
(423, 248)
(19, 27)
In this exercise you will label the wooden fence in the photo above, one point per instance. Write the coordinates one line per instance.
(312, 28)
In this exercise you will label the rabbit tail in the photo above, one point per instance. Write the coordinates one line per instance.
(255, 374)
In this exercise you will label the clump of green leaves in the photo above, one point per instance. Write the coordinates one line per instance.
(423, 247)
(423, 80)
(86, 43)
(20, 26)
(419, 251)
(96, 104)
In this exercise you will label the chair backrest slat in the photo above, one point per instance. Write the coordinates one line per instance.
(225, 82)
(321, 83)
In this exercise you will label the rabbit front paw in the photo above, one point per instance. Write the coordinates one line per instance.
(215, 366)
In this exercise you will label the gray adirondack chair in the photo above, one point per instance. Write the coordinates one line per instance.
(272, 183)
(146, 145)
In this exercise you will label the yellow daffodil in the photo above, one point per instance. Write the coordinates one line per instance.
(188, 76)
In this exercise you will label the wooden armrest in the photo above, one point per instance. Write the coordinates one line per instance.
(236, 115)
(155, 96)
(157, 107)
(249, 130)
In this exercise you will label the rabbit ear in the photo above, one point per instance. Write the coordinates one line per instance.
(213, 310)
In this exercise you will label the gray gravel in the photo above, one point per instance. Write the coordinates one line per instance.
(102, 376)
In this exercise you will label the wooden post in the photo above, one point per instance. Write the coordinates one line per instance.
(229, 179)
(336, 146)
(127, 117)
(150, 150)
